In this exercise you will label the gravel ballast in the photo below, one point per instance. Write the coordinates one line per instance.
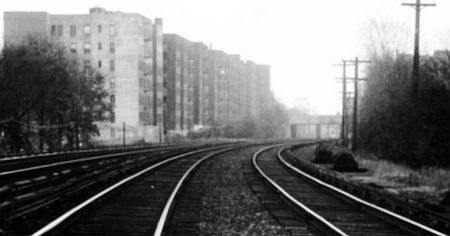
(228, 205)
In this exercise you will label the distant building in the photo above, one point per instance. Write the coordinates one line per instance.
(126, 48)
(201, 76)
(220, 74)
(235, 87)
(158, 83)
(305, 126)
(178, 84)
(251, 90)
(443, 54)
(263, 92)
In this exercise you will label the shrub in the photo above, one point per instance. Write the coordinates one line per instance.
(446, 200)
(344, 161)
(322, 154)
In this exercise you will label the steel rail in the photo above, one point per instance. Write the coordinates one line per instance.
(169, 204)
(357, 199)
(310, 212)
(74, 152)
(52, 225)
(6, 174)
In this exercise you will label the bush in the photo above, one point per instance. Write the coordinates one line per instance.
(344, 161)
(446, 200)
(322, 155)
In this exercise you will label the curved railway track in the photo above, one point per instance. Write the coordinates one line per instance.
(137, 205)
(326, 209)
(22, 162)
(26, 194)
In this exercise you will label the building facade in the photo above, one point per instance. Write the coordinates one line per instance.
(178, 84)
(127, 49)
(158, 83)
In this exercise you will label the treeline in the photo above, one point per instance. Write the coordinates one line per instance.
(392, 126)
(48, 99)
(271, 124)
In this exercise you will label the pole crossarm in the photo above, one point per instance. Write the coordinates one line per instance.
(359, 79)
(419, 5)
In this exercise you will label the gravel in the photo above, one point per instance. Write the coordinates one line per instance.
(228, 205)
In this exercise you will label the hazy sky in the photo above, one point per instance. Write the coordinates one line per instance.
(301, 40)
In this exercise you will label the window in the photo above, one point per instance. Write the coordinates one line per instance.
(86, 64)
(73, 47)
(60, 30)
(112, 98)
(53, 30)
(112, 30)
(112, 48)
(99, 46)
(73, 30)
(99, 64)
(87, 48)
(148, 48)
(87, 30)
(99, 28)
(112, 83)
(112, 65)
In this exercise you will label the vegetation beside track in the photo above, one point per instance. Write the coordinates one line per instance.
(427, 184)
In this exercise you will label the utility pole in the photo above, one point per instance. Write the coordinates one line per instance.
(355, 108)
(415, 132)
(355, 104)
(415, 83)
(123, 133)
(344, 102)
(356, 79)
(347, 115)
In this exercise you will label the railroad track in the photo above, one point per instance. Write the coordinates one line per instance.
(324, 208)
(139, 204)
(429, 215)
(21, 162)
(27, 194)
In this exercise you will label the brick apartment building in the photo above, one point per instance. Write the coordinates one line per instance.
(158, 83)
(178, 84)
(126, 48)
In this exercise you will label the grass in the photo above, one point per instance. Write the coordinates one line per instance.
(427, 183)
(383, 169)
(429, 178)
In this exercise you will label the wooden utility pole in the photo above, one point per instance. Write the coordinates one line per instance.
(355, 108)
(344, 102)
(123, 134)
(356, 79)
(415, 96)
(415, 83)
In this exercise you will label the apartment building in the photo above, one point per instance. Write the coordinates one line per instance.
(126, 48)
(251, 86)
(235, 110)
(263, 93)
(158, 83)
(201, 76)
(178, 84)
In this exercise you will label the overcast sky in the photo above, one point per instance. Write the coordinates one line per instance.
(301, 40)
